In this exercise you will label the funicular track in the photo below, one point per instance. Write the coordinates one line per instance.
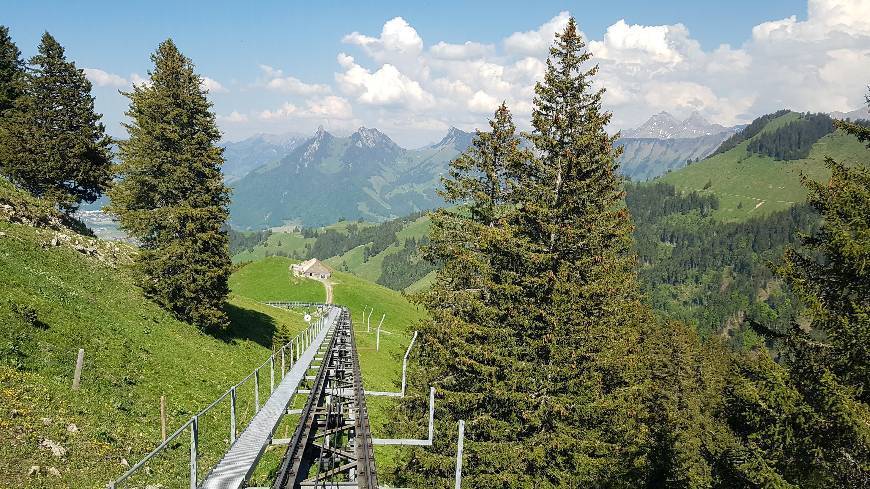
(332, 444)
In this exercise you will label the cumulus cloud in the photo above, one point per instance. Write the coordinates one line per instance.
(327, 108)
(386, 86)
(138, 80)
(467, 50)
(275, 80)
(537, 41)
(233, 117)
(102, 78)
(397, 39)
(212, 85)
(411, 87)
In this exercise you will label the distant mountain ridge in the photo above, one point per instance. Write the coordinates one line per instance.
(665, 126)
(326, 177)
(240, 157)
(663, 143)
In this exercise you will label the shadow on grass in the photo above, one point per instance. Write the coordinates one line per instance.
(247, 324)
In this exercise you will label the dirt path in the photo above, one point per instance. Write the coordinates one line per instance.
(328, 286)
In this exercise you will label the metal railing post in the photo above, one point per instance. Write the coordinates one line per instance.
(405, 364)
(257, 390)
(282, 363)
(194, 450)
(431, 414)
(459, 444)
(272, 373)
(232, 415)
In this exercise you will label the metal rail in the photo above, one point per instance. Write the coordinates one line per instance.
(283, 358)
(332, 444)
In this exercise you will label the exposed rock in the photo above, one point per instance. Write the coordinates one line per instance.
(34, 470)
(72, 428)
(56, 448)
(53, 471)
(124, 462)
(46, 421)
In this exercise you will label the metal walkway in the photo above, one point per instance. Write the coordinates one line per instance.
(238, 463)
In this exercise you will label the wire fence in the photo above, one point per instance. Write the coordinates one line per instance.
(187, 455)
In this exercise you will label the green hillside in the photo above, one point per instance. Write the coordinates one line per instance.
(63, 291)
(371, 269)
(749, 184)
(270, 279)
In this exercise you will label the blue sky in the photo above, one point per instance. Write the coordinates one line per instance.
(278, 65)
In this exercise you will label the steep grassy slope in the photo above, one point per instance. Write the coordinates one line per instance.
(56, 300)
(271, 280)
(748, 184)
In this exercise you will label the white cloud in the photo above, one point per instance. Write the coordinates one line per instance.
(137, 79)
(482, 102)
(102, 78)
(327, 108)
(638, 43)
(283, 112)
(233, 117)
(397, 38)
(275, 80)
(538, 41)
(212, 85)
(386, 86)
(467, 50)
(413, 89)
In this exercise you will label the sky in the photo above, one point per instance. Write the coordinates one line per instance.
(414, 69)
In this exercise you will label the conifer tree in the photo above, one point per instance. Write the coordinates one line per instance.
(829, 359)
(171, 196)
(580, 283)
(471, 345)
(56, 147)
(11, 71)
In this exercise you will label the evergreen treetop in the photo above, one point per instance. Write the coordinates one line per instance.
(11, 71)
(57, 147)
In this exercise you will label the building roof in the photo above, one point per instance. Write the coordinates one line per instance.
(312, 266)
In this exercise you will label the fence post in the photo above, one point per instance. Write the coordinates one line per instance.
(282, 363)
(405, 363)
(369, 321)
(194, 450)
(431, 414)
(459, 453)
(378, 341)
(163, 418)
(272, 373)
(77, 377)
(232, 415)
(257, 390)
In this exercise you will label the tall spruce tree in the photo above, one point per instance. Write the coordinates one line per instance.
(55, 145)
(171, 196)
(470, 346)
(580, 283)
(11, 71)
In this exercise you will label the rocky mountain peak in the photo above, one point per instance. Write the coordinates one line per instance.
(371, 138)
(456, 138)
(665, 126)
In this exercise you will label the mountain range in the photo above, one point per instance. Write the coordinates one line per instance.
(365, 175)
(243, 156)
(664, 143)
(290, 179)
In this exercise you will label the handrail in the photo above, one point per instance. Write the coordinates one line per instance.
(304, 335)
